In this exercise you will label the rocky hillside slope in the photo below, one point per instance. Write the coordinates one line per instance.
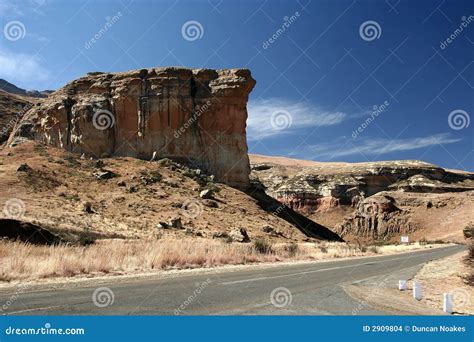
(12, 109)
(197, 116)
(50, 195)
(379, 200)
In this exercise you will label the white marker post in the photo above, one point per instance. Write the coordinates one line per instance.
(402, 285)
(448, 303)
(417, 294)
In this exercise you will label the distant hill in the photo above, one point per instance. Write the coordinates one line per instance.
(13, 89)
(12, 109)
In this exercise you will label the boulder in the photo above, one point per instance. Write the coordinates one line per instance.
(239, 235)
(175, 222)
(206, 194)
(87, 207)
(23, 168)
(162, 225)
(104, 174)
(267, 229)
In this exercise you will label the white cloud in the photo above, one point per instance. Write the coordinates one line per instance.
(274, 117)
(37, 37)
(375, 146)
(21, 68)
(9, 9)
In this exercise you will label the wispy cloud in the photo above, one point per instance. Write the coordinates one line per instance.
(21, 68)
(10, 9)
(343, 147)
(274, 117)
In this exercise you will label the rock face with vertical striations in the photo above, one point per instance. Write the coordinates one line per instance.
(195, 116)
(374, 200)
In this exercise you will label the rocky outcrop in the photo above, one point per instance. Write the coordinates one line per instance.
(194, 116)
(372, 201)
(376, 217)
(332, 185)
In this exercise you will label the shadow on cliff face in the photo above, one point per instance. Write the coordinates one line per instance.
(305, 225)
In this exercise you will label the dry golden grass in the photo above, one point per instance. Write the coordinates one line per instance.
(22, 261)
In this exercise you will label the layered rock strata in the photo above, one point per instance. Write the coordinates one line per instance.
(195, 116)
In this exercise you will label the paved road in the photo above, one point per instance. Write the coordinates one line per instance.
(304, 289)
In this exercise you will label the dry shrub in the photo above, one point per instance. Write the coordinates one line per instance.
(262, 246)
(21, 261)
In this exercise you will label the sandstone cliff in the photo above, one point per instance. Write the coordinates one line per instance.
(196, 116)
(377, 200)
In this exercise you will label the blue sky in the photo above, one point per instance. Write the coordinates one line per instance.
(336, 80)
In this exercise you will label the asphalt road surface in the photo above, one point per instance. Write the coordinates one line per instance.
(299, 289)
